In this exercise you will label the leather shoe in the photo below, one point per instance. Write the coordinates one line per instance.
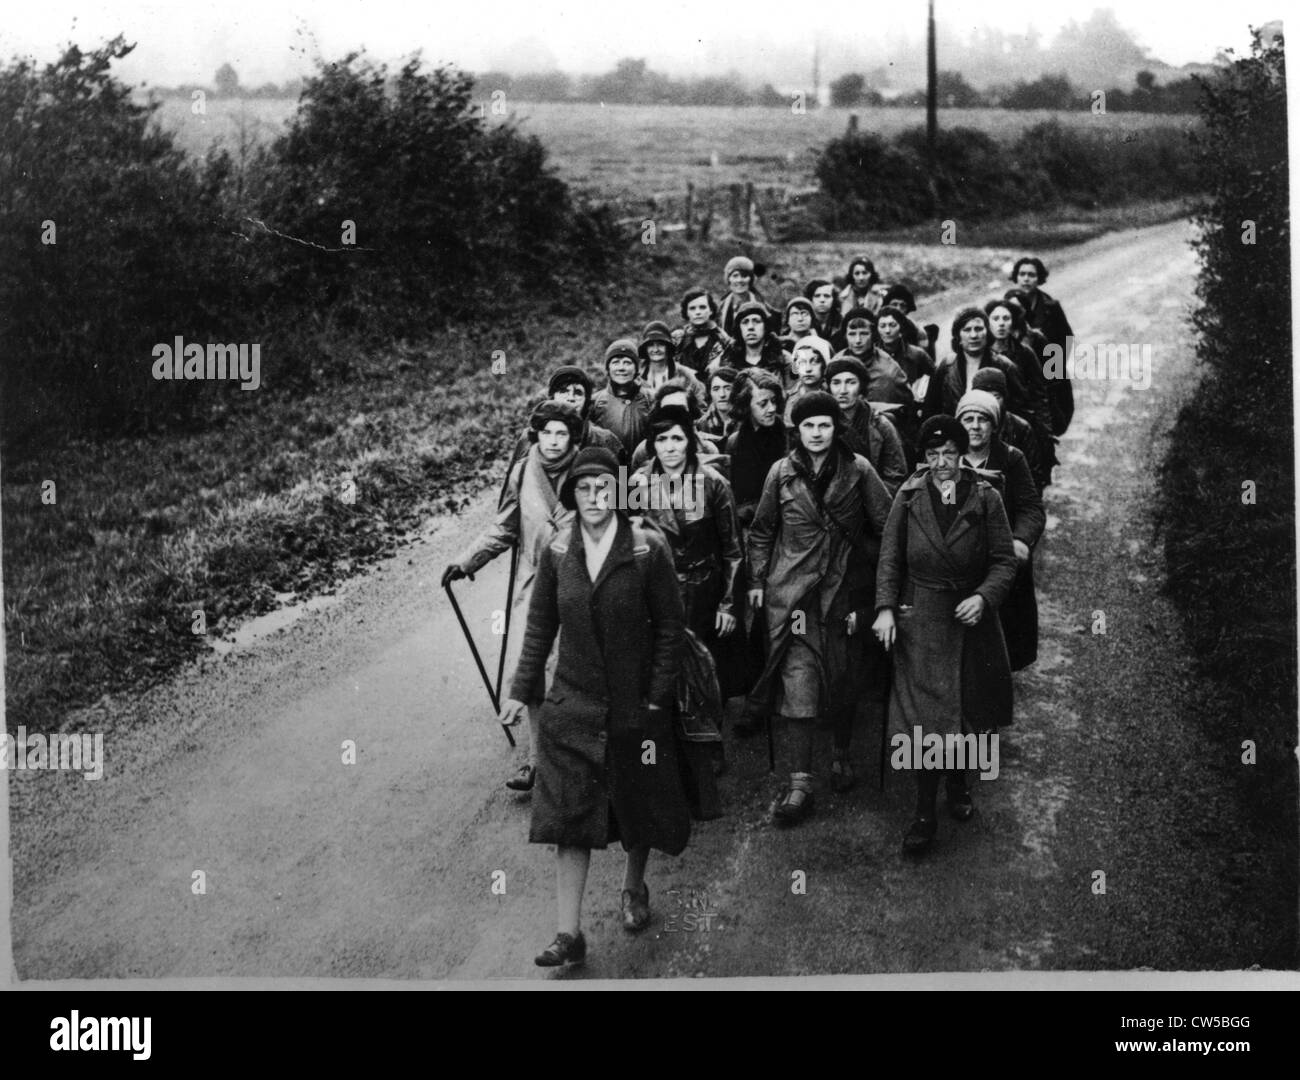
(795, 806)
(566, 949)
(920, 835)
(843, 777)
(523, 780)
(636, 909)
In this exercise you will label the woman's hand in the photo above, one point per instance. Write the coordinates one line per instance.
(725, 623)
(851, 623)
(1022, 550)
(884, 628)
(512, 712)
(971, 610)
(755, 599)
(453, 573)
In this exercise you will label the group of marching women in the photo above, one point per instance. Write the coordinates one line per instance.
(796, 505)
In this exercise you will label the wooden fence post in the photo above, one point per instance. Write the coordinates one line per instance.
(690, 210)
(749, 204)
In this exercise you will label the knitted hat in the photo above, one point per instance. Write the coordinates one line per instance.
(818, 403)
(991, 379)
(655, 332)
(814, 285)
(941, 429)
(554, 410)
(621, 347)
(900, 294)
(738, 262)
(567, 376)
(847, 365)
(862, 314)
(590, 461)
(798, 302)
(980, 401)
(753, 307)
(819, 345)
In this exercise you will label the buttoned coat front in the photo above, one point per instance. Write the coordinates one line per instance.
(944, 672)
(596, 779)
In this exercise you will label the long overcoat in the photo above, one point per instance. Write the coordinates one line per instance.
(622, 633)
(1024, 507)
(1046, 315)
(945, 672)
(797, 551)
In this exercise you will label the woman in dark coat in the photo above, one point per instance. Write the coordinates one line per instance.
(758, 403)
(623, 406)
(821, 294)
(1006, 329)
(947, 563)
(971, 351)
(1013, 430)
(701, 342)
(980, 414)
(606, 761)
(1046, 315)
(812, 562)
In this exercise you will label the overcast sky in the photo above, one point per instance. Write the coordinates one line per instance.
(272, 40)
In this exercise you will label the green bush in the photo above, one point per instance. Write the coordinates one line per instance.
(1232, 564)
(134, 258)
(455, 220)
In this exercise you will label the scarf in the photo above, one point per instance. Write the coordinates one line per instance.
(555, 470)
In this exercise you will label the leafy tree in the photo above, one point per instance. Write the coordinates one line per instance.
(226, 81)
(847, 90)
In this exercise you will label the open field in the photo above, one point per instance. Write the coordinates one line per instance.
(631, 152)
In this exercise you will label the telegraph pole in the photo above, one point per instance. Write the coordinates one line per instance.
(931, 90)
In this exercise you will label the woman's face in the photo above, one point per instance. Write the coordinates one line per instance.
(591, 494)
(888, 328)
(752, 329)
(657, 351)
(1000, 322)
(809, 366)
(1027, 277)
(943, 461)
(738, 281)
(553, 440)
(858, 336)
(800, 320)
(720, 393)
(861, 275)
(979, 427)
(822, 299)
(846, 388)
(973, 337)
(622, 370)
(574, 395)
(697, 311)
(762, 408)
(817, 433)
(670, 447)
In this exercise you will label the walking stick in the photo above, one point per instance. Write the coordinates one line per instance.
(771, 746)
(487, 683)
(510, 602)
(884, 741)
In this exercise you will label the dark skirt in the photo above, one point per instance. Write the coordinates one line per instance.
(1019, 617)
(595, 783)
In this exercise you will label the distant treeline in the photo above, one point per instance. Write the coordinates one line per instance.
(388, 208)
(632, 83)
(1046, 92)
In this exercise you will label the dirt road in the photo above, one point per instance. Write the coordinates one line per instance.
(386, 867)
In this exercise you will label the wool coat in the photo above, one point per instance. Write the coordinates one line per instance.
(1024, 507)
(948, 385)
(946, 673)
(620, 638)
(1046, 315)
(625, 414)
(802, 553)
(708, 354)
(876, 439)
(772, 357)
